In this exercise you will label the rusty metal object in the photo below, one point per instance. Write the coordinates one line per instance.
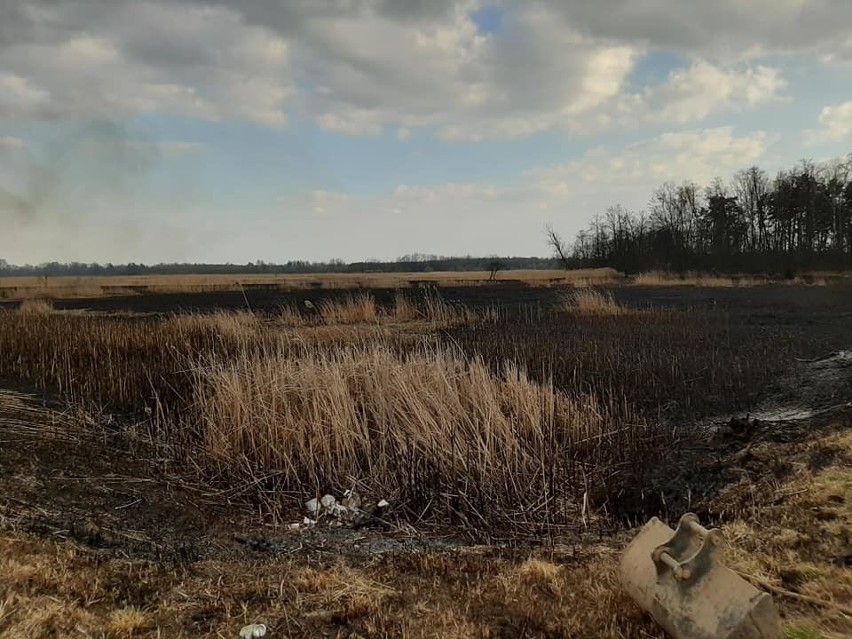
(677, 577)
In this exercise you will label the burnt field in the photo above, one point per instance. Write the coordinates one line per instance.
(772, 303)
(501, 440)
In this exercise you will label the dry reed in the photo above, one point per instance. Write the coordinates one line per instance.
(353, 309)
(416, 427)
(36, 306)
(587, 301)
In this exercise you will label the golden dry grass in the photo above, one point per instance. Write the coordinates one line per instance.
(55, 589)
(413, 425)
(588, 301)
(795, 536)
(35, 306)
(353, 309)
(361, 308)
(235, 325)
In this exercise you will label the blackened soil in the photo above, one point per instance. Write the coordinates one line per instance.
(824, 310)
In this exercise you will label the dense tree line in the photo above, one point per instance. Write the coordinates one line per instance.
(800, 219)
(407, 264)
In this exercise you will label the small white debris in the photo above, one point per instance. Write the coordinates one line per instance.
(309, 522)
(312, 506)
(253, 630)
(351, 499)
(383, 503)
(294, 526)
(338, 510)
(328, 502)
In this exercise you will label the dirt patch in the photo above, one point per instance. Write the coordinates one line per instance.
(109, 490)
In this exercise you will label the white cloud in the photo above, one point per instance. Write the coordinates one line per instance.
(356, 67)
(173, 148)
(835, 124)
(113, 59)
(19, 96)
(723, 29)
(11, 143)
(329, 202)
(352, 122)
(405, 193)
(689, 94)
(628, 175)
(840, 54)
(403, 134)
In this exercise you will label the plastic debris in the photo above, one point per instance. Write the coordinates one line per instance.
(351, 500)
(253, 630)
(349, 511)
(313, 505)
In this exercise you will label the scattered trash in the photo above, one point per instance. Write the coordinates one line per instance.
(313, 505)
(253, 630)
(351, 499)
(350, 511)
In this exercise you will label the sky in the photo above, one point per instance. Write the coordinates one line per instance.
(212, 131)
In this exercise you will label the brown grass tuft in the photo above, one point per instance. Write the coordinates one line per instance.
(587, 301)
(354, 309)
(228, 324)
(404, 310)
(125, 622)
(39, 306)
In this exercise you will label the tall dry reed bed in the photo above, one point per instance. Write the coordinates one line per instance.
(429, 428)
(415, 421)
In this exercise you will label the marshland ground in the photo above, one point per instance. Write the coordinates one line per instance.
(157, 448)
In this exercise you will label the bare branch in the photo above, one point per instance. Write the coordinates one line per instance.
(555, 242)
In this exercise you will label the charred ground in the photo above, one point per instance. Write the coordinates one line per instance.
(123, 539)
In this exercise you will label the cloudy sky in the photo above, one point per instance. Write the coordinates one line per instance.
(205, 130)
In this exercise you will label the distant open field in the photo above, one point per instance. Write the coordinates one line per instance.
(83, 287)
(158, 453)
(61, 287)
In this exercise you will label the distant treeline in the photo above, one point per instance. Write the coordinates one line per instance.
(406, 264)
(799, 220)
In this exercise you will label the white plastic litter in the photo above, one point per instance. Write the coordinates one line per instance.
(383, 503)
(338, 510)
(328, 501)
(253, 630)
(312, 505)
(308, 521)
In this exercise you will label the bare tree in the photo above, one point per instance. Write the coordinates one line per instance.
(559, 249)
(495, 265)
